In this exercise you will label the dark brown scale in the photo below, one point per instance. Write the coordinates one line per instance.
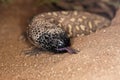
(52, 30)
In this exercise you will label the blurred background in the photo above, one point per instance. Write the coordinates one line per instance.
(106, 8)
(14, 18)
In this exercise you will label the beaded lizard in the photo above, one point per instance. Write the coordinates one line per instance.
(52, 30)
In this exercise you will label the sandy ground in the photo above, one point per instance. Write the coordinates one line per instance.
(98, 59)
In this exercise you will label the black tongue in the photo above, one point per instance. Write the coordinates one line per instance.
(70, 50)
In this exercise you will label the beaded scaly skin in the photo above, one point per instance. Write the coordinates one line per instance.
(52, 31)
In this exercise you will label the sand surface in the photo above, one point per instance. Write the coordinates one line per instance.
(98, 59)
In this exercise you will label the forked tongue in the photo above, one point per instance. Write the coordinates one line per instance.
(69, 50)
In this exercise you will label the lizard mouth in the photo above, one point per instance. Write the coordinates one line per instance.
(68, 49)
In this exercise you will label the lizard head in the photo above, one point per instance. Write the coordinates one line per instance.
(55, 40)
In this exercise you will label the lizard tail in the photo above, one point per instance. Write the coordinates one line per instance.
(104, 9)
